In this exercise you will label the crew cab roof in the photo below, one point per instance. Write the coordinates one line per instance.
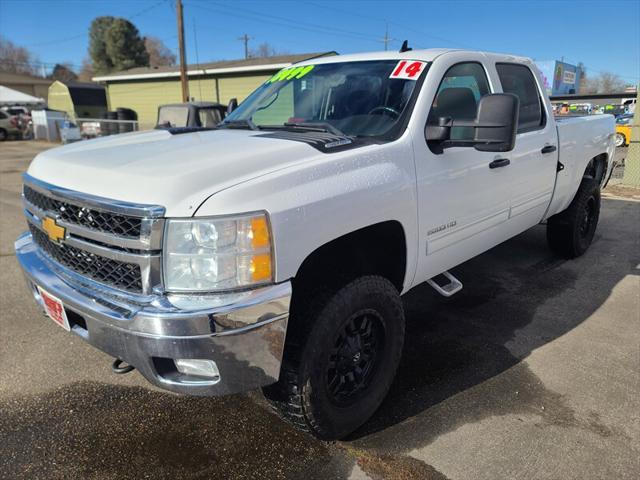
(425, 55)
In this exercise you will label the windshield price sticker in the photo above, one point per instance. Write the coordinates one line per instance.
(291, 73)
(408, 70)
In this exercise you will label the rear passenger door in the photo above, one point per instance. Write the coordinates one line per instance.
(535, 156)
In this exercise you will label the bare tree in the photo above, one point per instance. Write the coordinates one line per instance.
(604, 82)
(610, 82)
(159, 53)
(15, 59)
(86, 71)
(265, 50)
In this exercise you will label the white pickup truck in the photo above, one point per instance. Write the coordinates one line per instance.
(272, 251)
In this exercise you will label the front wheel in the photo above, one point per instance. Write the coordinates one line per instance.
(571, 232)
(341, 356)
(620, 140)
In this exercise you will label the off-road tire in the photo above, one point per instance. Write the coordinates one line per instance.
(303, 395)
(570, 233)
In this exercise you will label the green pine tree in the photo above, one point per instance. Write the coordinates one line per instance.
(115, 44)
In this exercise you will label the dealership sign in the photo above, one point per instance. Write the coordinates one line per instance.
(559, 78)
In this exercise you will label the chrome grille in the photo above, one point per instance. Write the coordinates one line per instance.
(115, 243)
(106, 222)
(124, 276)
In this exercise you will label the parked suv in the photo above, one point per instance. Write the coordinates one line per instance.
(9, 126)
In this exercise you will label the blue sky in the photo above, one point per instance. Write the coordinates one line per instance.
(604, 35)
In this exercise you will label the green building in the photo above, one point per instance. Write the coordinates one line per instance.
(79, 100)
(143, 89)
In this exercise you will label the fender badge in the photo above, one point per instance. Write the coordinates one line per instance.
(53, 230)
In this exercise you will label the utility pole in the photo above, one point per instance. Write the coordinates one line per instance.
(245, 38)
(183, 61)
(386, 38)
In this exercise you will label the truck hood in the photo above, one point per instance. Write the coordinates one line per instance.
(178, 172)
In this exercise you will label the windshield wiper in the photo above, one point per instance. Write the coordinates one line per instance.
(323, 127)
(240, 123)
(317, 126)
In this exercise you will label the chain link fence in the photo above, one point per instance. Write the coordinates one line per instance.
(631, 175)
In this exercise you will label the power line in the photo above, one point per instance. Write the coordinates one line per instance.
(405, 27)
(61, 40)
(85, 34)
(37, 63)
(401, 25)
(286, 22)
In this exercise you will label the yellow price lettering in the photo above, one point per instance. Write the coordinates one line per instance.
(291, 73)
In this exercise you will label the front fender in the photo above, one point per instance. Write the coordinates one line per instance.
(312, 203)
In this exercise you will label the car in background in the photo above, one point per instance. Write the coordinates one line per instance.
(90, 129)
(69, 132)
(9, 126)
(615, 110)
(191, 115)
(16, 110)
(623, 130)
(580, 109)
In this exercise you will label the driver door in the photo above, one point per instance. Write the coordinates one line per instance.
(462, 201)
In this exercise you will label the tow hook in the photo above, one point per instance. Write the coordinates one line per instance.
(118, 368)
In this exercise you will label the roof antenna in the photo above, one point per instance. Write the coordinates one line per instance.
(405, 47)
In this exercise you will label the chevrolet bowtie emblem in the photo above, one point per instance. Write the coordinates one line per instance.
(55, 232)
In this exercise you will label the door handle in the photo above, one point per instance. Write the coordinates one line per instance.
(499, 162)
(548, 149)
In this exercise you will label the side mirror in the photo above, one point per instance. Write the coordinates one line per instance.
(495, 126)
(233, 104)
(497, 122)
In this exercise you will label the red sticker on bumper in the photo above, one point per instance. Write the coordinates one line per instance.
(55, 309)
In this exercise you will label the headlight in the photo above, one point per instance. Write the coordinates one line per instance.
(223, 253)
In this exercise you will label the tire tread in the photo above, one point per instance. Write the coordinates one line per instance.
(288, 397)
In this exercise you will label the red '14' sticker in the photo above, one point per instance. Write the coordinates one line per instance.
(408, 69)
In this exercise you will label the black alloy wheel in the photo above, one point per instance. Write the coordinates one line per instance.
(355, 357)
(588, 217)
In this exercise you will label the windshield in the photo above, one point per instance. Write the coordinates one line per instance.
(353, 98)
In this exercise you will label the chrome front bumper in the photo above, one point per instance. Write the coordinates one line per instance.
(242, 333)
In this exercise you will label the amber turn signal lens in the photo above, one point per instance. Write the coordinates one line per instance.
(261, 268)
(260, 231)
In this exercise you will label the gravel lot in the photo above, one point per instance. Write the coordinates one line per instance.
(532, 371)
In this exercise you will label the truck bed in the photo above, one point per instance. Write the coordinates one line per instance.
(579, 137)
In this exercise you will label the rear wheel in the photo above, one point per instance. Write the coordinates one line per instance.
(342, 352)
(571, 232)
(3, 134)
(620, 140)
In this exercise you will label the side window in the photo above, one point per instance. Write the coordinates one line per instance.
(519, 80)
(3, 116)
(458, 95)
